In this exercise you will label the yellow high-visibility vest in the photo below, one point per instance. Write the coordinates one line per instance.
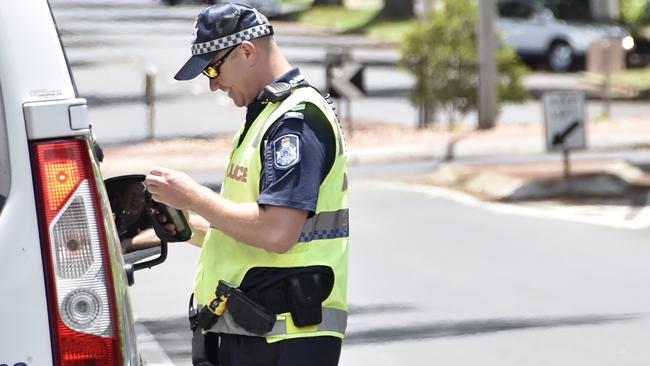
(323, 239)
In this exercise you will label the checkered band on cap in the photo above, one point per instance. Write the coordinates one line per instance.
(232, 40)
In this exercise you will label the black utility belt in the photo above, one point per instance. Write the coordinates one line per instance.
(248, 314)
(255, 311)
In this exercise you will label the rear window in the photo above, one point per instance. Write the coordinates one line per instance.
(515, 9)
(572, 10)
(5, 174)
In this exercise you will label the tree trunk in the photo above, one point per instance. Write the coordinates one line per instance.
(328, 2)
(398, 9)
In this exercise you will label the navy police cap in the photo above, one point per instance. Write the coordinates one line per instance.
(218, 27)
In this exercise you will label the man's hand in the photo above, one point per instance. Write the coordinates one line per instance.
(169, 227)
(269, 227)
(173, 188)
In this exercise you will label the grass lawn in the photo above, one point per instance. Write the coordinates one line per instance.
(638, 78)
(355, 20)
(631, 81)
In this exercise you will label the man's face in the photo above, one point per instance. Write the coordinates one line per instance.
(132, 199)
(228, 63)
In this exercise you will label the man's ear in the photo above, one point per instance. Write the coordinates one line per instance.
(250, 52)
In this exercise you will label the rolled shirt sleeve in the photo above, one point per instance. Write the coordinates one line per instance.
(297, 155)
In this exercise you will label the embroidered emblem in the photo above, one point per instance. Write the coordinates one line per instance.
(287, 151)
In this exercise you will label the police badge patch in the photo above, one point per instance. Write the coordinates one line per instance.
(286, 151)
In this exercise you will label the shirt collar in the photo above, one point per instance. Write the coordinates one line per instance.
(293, 76)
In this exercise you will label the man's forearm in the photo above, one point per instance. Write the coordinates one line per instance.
(272, 228)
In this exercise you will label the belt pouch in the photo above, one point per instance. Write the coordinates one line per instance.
(249, 314)
(305, 295)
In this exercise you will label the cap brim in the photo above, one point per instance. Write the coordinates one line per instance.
(194, 66)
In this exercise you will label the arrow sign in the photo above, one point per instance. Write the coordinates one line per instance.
(348, 82)
(560, 137)
(564, 120)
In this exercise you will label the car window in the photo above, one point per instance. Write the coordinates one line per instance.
(4, 156)
(569, 9)
(515, 9)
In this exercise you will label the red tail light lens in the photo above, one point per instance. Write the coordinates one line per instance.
(80, 286)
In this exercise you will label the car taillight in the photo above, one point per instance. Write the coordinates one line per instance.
(79, 279)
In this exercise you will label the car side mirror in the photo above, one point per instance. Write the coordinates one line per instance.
(141, 234)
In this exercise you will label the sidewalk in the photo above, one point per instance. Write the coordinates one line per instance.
(501, 179)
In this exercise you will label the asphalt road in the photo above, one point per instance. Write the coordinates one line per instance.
(435, 280)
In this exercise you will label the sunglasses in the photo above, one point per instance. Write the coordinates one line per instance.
(212, 71)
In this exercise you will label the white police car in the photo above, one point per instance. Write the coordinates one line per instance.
(63, 280)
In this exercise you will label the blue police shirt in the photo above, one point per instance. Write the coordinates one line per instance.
(297, 154)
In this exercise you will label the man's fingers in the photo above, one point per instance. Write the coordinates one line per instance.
(152, 180)
(157, 176)
(161, 219)
(170, 228)
(155, 196)
(153, 189)
(159, 171)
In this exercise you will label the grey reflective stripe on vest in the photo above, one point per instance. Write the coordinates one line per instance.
(326, 225)
(334, 320)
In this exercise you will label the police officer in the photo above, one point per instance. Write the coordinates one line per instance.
(279, 228)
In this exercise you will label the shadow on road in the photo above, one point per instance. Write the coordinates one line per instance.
(174, 336)
(474, 327)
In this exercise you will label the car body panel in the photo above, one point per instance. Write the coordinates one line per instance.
(25, 335)
(38, 101)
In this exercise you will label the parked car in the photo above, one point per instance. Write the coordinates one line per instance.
(65, 270)
(554, 31)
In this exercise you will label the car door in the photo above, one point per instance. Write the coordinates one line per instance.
(523, 26)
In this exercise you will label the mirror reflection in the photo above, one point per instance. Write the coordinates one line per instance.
(132, 214)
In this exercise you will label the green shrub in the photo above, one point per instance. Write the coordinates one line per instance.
(633, 12)
(442, 54)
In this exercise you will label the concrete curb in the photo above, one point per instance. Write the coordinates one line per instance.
(512, 182)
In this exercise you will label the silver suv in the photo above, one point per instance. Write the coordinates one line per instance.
(554, 30)
(64, 268)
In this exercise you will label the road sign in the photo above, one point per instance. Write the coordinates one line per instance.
(348, 81)
(565, 120)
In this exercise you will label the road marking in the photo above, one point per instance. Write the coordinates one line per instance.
(619, 217)
(150, 350)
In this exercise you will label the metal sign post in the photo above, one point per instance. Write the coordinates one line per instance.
(606, 56)
(150, 98)
(565, 122)
(488, 77)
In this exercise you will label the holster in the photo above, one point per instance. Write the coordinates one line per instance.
(305, 295)
(247, 313)
(301, 294)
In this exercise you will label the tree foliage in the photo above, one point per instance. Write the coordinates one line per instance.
(633, 12)
(442, 54)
